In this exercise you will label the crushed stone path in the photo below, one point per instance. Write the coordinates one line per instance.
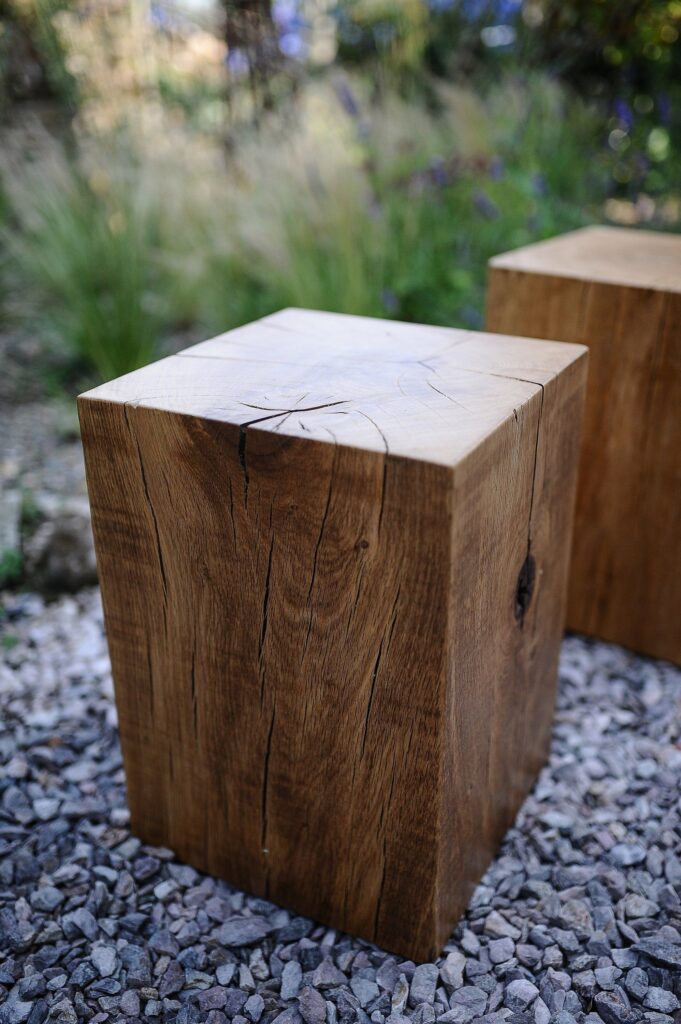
(577, 920)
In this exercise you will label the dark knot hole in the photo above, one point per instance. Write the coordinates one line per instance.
(525, 588)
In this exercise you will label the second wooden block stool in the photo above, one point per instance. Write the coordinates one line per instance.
(333, 557)
(619, 292)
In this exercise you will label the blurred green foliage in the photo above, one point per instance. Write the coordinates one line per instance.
(442, 132)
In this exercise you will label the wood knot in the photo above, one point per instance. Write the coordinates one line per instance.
(525, 588)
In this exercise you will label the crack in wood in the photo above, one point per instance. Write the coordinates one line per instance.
(393, 616)
(372, 688)
(231, 509)
(274, 414)
(145, 486)
(316, 551)
(448, 397)
(385, 466)
(263, 628)
(385, 641)
(289, 412)
(355, 604)
(527, 575)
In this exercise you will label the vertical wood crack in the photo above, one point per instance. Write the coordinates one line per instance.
(374, 676)
(384, 644)
(385, 466)
(264, 622)
(231, 510)
(315, 557)
(526, 578)
(145, 485)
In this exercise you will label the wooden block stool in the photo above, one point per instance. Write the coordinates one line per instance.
(333, 555)
(619, 292)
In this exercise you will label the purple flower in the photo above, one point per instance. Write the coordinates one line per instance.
(292, 45)
(664, 108)
(496, 168)
(162, 18)
(484, 205)
(237, 61)
(539, 184)
(285, 14)
(473, 10)
(624, 113)
(437, 171)
(389, 301)
(506, 10)
(347, 98)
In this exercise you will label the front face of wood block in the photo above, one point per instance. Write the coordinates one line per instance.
(619, 292)
(327, 691)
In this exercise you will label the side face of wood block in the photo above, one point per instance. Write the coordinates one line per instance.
(333, 557)
(619, 292)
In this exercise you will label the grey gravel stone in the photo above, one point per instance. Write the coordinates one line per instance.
(243, 931)
(291, 978)
(499, 927)
(15, 1012)
(627, 854)
(660, 999)
(80, 922)
(607, 976)
(46, 899)
(173, 979)
(400, 994)
(520, 994)
(451, 970)
(253, 1008)
(423, 983)
(365, 990)
(312, 1006)
(661, 952)
(501, 950)
(235, 1000)
(636, 983)
(104, 960)
(212, 998)
(469, 1002)
(327, 975)
(613, 1009)
(225, 973)
(130, 1003)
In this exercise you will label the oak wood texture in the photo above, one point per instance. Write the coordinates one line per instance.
(332, 688)
(619, 292)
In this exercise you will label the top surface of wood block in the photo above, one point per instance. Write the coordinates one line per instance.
(620, 256)
(429, 393)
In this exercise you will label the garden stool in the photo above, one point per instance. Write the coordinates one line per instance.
(333, 555)
(619, 292)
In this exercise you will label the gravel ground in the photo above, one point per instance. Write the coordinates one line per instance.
(578, 918)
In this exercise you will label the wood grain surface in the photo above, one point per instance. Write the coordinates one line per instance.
(333, 562)
(619, 292)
